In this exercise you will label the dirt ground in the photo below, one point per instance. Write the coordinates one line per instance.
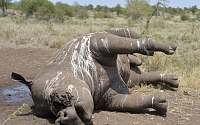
(183, 107)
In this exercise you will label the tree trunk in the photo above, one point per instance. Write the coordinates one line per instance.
(149, 17)
(3, 7)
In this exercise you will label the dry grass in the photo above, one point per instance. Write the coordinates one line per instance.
(18, 32)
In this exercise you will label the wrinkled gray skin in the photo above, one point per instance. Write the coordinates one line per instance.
(92, 72)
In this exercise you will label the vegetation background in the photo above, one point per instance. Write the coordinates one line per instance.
(41, 24)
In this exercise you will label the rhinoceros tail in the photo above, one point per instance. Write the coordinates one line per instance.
(20, 78)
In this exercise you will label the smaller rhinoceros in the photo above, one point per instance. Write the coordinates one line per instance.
(92, 72)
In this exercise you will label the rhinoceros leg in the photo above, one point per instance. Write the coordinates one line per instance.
(137, 77)
(118, 98)
(108, 45)
(167, 48)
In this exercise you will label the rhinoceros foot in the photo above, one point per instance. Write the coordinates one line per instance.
(170, 48)
(159, 102)
(171, 80)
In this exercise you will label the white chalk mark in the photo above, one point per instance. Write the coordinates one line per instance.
(149, 39)
(94, 41)
(105, 43)
(124, 101)
(138, 45)
(59, 53)
(70, 89)
(143, 41)
(129, 33)
(125, 33)
(116, 29)
(162, 77)
(66, 53)
(52, 84)
(82, 62)
(131, 44)
(152, 101)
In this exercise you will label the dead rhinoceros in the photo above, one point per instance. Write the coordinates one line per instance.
(85, 74)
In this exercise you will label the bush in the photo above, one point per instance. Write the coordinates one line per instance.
(102, 15)
(67, 10)
(31, 6)
(82, 14)
(185, 17)
(46, 11)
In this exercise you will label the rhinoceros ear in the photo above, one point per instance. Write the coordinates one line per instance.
(20, 78)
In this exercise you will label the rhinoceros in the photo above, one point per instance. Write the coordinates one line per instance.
(94, 72)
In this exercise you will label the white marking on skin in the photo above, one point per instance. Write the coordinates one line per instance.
(129, 33)
(78, 53)
(143, 41)
(66, 53)
(131, 44)
(52, 84)
(58, 54)
(124, 101)
(170, 48)
(101, 79)
(162, 77)
(86, 90)
(138, 45)
(105, 43)
(120, 64)
(82, 62)
(149, 39)
(116, 29)
(76, 46)
(70, 89)
(94, 41)
(125, 33)
(152, 101)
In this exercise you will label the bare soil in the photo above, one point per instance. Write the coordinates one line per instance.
(184, 106)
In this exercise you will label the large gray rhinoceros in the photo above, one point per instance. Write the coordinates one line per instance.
(92, 72)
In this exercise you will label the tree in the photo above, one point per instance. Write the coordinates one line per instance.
(155, 10)
(118, 9)
(105, 9)
(4, 6)
(65, 8)
(31, 6)
(194, 9)
(90, 7)
(98, 8)
(137, 9)
(47, 10)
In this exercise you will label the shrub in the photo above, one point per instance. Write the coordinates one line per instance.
(82, 14)
(102, 15)
(185, 17)
(46, 11)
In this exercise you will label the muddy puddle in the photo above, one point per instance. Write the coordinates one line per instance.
(15, 94)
